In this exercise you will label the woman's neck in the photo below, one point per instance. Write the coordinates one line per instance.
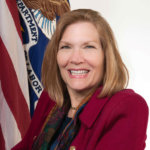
(76, 98)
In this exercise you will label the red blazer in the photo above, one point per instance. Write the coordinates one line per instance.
(116, 123)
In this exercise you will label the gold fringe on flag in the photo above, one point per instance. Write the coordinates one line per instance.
(49, 8)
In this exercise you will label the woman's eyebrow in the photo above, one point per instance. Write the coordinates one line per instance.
(83, 43)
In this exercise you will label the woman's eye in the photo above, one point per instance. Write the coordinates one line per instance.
(89, 46)
(65, 47)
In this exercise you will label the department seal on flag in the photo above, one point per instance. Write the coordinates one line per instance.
(38, 21)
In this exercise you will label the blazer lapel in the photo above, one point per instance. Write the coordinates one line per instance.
(93, 109)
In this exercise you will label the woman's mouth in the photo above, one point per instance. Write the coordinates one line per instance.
(81, 73)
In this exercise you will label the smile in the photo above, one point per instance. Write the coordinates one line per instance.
(78, 72)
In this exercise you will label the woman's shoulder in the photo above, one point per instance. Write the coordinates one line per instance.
(128, 99)
(44, 104)
(128, 95)
(45, 99)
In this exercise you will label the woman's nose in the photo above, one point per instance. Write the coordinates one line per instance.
(77, 56)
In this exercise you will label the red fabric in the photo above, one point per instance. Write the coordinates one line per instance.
(12, 91)
(14, 97)
(2, 143)
(116, 123)
(15, 15)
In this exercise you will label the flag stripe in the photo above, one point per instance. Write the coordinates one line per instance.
(12, 5)
(8, 123)
(2, 142)
(14, 97)
(14, 46)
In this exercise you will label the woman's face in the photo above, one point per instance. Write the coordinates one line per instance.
(80, 57)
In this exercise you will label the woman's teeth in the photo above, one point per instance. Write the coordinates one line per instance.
(78, 72)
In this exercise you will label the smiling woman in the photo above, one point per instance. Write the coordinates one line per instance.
(115, 75)
(80, 59)
(85, 105)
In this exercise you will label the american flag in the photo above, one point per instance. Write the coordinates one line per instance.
(14, 96)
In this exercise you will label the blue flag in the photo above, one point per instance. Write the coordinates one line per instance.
(37, 29)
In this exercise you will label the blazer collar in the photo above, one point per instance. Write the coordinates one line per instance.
(92, 109)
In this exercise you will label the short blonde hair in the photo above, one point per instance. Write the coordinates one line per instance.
(115, 72)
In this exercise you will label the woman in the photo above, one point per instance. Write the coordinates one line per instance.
(85, 105)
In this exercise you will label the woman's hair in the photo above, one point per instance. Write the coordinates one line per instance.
(115, 77)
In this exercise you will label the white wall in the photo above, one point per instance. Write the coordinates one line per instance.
(130, 21)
